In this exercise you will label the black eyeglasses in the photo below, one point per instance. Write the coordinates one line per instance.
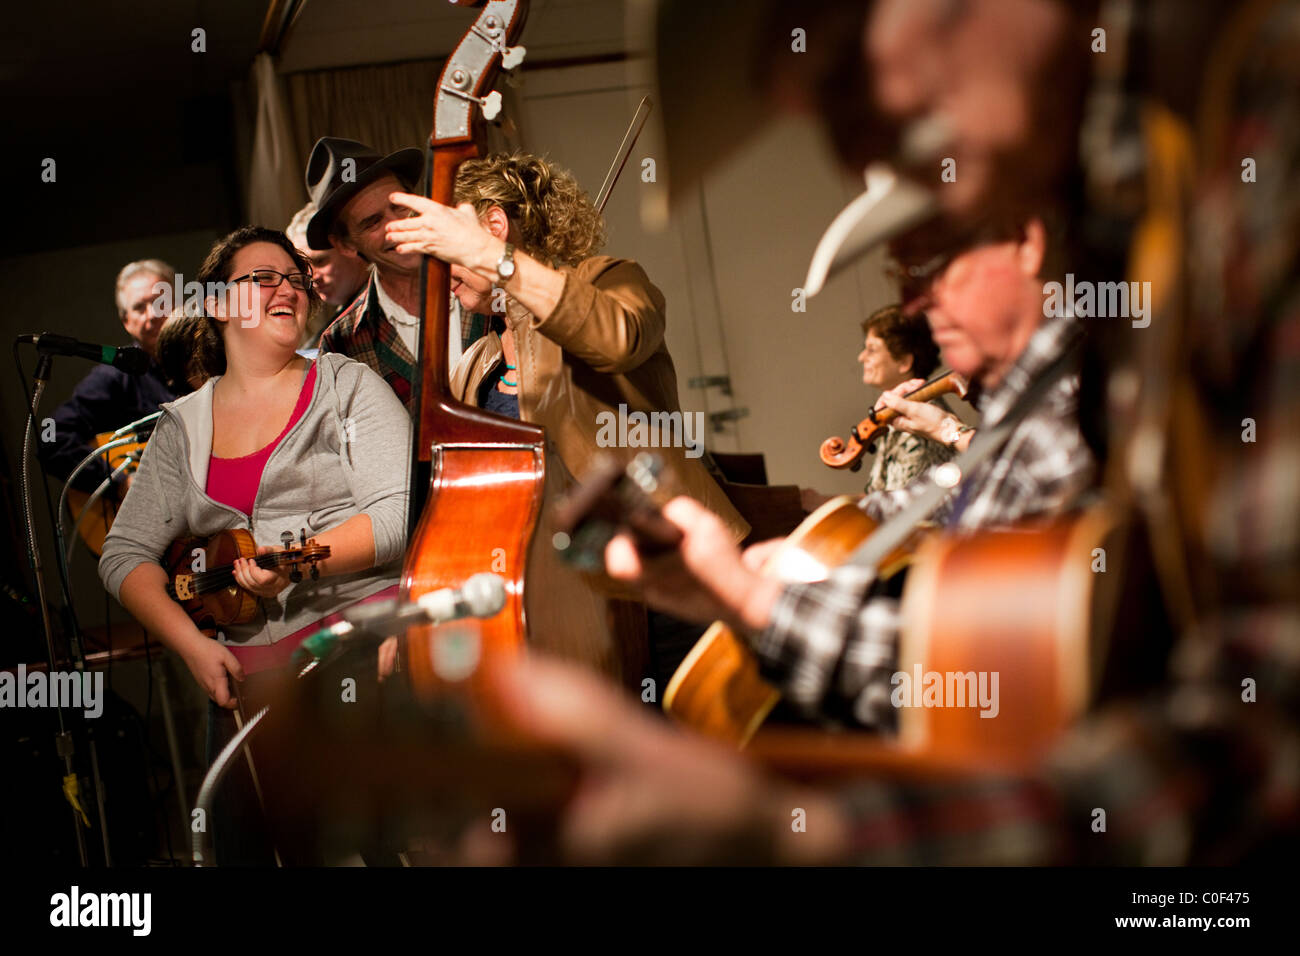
(270, 279)
(915, 282)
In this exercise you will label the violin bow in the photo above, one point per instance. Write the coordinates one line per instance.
(624, 151)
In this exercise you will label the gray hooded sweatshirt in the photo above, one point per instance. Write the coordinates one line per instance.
(347, 455)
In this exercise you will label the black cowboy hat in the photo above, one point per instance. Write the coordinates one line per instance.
(332, 180)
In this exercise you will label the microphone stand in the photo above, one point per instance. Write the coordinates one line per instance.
(63, 740)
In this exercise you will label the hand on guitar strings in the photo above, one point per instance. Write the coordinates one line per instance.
(264, 582)
(704, 579)
(648, 793)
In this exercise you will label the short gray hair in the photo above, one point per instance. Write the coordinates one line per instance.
(297, 228)
(129, 271)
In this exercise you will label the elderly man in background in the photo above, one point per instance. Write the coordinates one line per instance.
(108, 398)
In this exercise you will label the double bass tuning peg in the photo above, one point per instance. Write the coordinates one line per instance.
(512, 56)
(493, 31)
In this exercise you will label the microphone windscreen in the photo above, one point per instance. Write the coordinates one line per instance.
(484, 594)
(131, 360)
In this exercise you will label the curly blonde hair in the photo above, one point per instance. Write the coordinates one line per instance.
(557, 221)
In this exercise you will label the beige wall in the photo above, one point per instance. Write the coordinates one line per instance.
(728, 265)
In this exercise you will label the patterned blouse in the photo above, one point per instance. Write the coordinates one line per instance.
(902, 457)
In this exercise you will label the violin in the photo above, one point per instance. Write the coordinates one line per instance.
(201, 575)
(838, 453)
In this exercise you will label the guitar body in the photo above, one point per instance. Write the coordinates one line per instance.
(1023, 604)
(94, 525)
(717, 689)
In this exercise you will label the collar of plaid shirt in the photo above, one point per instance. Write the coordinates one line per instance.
(371, 338)
(1050, 340)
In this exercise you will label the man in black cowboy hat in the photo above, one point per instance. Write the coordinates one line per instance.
(350, 184)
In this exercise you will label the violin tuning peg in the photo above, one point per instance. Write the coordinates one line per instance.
(286, 538)
(295, 575)
(512, 57)
(491, 105)
(315, 572)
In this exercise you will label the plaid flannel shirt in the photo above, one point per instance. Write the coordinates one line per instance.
(832, 646)
(363, 332)
(1203, 770)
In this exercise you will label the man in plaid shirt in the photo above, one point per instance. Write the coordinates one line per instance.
(1200, 770)
(831, 647)
(350, 184)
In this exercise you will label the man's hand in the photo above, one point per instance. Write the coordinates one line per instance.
(704, 579)
(649, 793)
(756, 555)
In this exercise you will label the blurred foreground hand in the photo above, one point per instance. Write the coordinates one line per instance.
(650, 793)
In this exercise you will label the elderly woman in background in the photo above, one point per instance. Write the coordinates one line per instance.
(897, 355)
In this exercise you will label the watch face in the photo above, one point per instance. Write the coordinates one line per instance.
(506, 268)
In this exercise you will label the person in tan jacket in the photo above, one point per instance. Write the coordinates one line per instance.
(577, 342)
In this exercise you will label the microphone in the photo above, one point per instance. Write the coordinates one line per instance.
(482, 595)
(132, 360)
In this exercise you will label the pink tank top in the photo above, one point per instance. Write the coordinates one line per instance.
(234, 481)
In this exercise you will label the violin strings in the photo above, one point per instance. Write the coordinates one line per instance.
(205, 581)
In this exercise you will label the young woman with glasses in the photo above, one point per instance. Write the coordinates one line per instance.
(271, 443)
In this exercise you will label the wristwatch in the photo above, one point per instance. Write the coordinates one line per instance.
(506, 264)
(952, 431)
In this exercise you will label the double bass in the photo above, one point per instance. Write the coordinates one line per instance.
(489, 477)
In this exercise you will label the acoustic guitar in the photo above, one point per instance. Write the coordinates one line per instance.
(93, 525)
(1028, 611)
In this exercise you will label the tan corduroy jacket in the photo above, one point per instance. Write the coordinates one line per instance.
(587, 369)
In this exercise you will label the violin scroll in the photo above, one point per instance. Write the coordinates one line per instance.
(837, 453)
